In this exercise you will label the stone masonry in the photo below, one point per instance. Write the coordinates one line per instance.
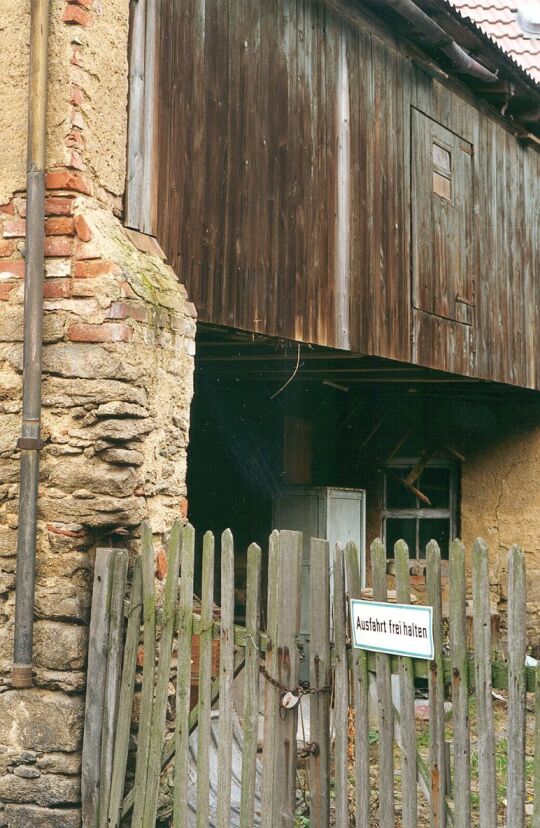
(117, 385)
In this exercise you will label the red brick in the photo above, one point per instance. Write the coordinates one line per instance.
(77, 15)
(76, 57)
(128, 291)
(5, 290)
(77, 95)
(69, 533)
(14, 269)
(184, 508)
(57, 288)
(76, 161)
(14, 229)
(59, 226)
(161, 565)
(99, 267)
(82, 229)
(107, 332)
(76, 139)
(6, 248)
(127, 310)
(86, 3)
(58, 206)
(86, 250)
(58, 246)
(8, 209)
(67, 180)
(79, 270)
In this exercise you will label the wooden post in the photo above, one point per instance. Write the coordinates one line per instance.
(251, 692)
(226, 672)
(319, 676)
(183, 678)
(95, 693)
(205, 682)
(484, 707)
(282, 664)
(341, 692)
(536, 772)
(437, 754)
(384, 697)
(460, 686)
(517, 649)
(406, 701)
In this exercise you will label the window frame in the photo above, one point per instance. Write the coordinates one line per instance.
(450, 513)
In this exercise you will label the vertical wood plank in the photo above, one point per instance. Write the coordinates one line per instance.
(123, 726)
(97, 666)
(205, 682)
(135, 116)
(341, 692)
(149, 668)
(159, 712)
(226, 674)
(282, 664)
(148, 191)
(360, 679)
(384, 698)
(319, 676)
(460, 686)
(517, 648)
(112, 679)
(183, 678)
(251, 692)
(409, 796)
(484, 707)
(437, 755)
(536, 770)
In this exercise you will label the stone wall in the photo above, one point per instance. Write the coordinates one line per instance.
(117, 385)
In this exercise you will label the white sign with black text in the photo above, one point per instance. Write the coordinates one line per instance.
(401, 629)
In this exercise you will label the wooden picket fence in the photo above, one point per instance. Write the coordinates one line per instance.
(335, 769)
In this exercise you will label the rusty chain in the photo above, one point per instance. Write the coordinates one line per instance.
(303, 689)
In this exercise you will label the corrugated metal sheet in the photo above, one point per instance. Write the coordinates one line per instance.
(498, 19)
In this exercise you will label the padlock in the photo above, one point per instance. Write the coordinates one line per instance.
(289, 701)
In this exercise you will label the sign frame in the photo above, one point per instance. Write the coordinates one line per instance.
(393, 651)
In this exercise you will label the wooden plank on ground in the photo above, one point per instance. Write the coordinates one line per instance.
(341, 693)
(226, 671)
(487, 783)
(205, 682)
(282, 664)
(319, 676)
(112, 680)
(409, 798)
(437, 754)
(95, 693)
(183, 678)
(384, 698)
(123, 725)
(460, 686)
(149, 667)
(517, 649)
(360, 691)
(251, 687)
(159, 713)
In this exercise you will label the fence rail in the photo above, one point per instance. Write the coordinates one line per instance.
(363, 762)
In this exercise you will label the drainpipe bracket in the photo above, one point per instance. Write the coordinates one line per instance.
(30, 443)
(21, 676)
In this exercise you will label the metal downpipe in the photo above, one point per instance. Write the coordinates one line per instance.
(30, 441)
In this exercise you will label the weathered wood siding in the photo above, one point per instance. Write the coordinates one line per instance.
(284, 161)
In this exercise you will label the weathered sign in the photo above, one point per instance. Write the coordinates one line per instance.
(401, 629)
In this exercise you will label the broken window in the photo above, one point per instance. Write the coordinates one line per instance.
(422, 512)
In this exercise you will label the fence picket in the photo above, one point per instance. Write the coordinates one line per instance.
(517, 648)
(484, 706)
(283, 658)
(112, 680)
(360, 684)
(319, 676)
(149, 667)
(157, 733)
(460, 685)
(226, 672)
(251, 685)
(97, 666)
(437, 754)
(536, 769)
(183, 677)
(341, 691)
(384, 697)
(409, 798)
(205, 681)
(125, 704)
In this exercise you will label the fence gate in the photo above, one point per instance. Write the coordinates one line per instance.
(346, 748)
